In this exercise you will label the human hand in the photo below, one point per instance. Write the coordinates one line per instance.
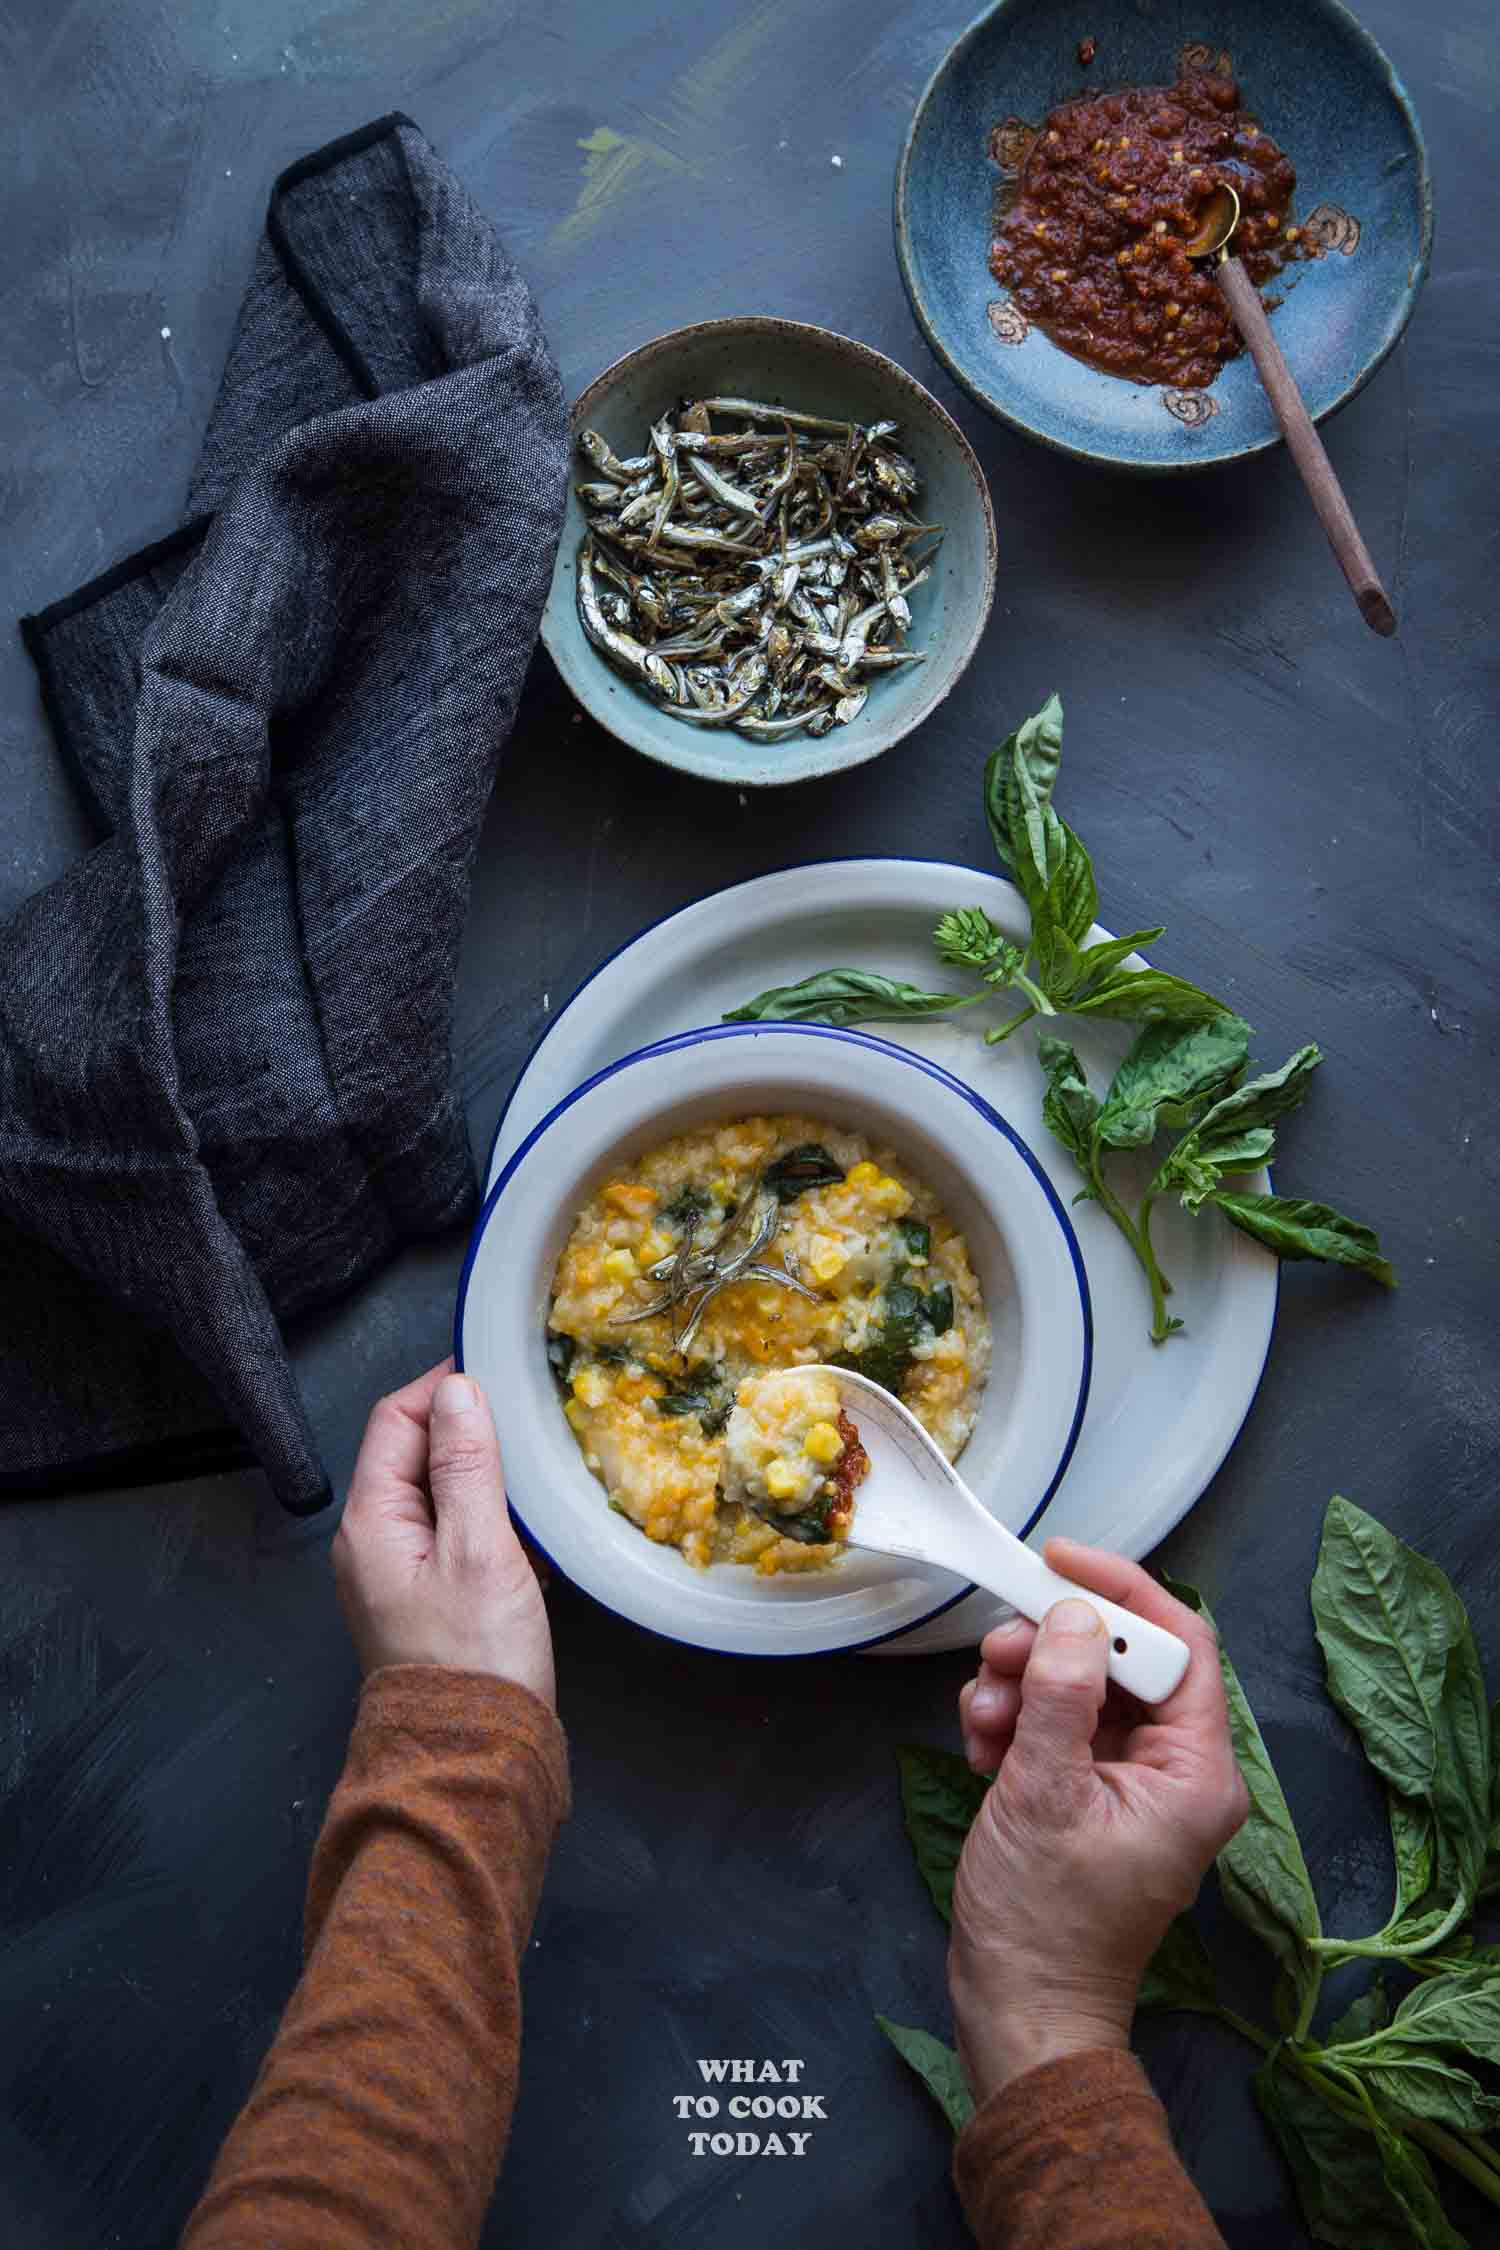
(1098, 1828)
(427, 1563)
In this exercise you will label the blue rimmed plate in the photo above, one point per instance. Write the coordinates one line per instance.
(1160, 1419)
(1318, 83)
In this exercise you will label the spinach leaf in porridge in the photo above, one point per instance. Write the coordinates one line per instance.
(887, 1358)
(701, 1392)
(807, 1166)
(907, 1315)
(811, 1528)
(687, 1209)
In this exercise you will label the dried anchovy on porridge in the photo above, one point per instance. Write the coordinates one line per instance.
(732, 1252)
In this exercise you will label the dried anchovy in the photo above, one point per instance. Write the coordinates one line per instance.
(757, 576)
(699, 1273)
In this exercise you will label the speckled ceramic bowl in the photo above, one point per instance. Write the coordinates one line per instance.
(1318, 83)
(819, 372)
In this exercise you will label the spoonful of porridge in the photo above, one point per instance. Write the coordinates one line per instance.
(823, 1454)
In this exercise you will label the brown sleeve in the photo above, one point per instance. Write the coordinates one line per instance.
(381, 2112)
(1077, 2155)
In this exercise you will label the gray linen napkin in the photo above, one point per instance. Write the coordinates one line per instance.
(225, 1072)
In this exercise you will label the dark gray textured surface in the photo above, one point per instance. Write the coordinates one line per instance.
(1314, 813)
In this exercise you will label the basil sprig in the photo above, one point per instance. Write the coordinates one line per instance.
(1361, 2112)
(1185, 1073)
(1192, 1077)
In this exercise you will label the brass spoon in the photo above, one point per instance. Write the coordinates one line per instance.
(1210, 245)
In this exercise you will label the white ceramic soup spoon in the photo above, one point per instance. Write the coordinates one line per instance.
(914, 1503)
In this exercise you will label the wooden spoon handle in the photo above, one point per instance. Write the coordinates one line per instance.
(1306, 447)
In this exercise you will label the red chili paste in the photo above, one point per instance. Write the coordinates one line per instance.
(849, 1474)
(1091, 244)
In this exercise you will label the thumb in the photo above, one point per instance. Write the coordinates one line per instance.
(463, 1471)
(1062, 1693)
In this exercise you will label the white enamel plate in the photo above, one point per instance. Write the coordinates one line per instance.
(1160, 1418)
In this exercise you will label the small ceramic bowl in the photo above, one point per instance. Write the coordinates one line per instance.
(1318, 84)
(788, 364)
(1023, 1250)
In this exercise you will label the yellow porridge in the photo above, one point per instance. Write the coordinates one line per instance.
(727, 1254)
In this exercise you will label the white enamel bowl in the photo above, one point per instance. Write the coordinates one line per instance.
(993, 1189)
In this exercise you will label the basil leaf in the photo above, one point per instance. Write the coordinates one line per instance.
(939, 1798)
(1402, 1667)
(1057, 957)
(966, 938)
(1461, 2009)
(1069, 1110)
(1414, 1848)
(1018, 783)
(809, 1165)
(1340, 2180)
(561, 1352)
(937, 1308)
(1295, 1229)
(1095, 961)
(1403, 2060)
(1408, 2176)
(917, 1237)
(1491, 1879)
(1196, 1179)
(1259, 1101)
(1179, 1973)
(1418, 2083)
(1072, 898)
(1236, 1134)
(845, 996)
(1148, 996)
(1063, 912)
(1262, 1872)
(1170, 1073)
(936, 2065)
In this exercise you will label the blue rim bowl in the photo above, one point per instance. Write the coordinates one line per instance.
(997, 1193)
(1319, 84)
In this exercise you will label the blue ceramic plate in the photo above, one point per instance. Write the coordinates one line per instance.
(1320, 86)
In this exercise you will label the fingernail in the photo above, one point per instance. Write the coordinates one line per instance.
(986, 1706)
(1080, 1618)
(455, 1395)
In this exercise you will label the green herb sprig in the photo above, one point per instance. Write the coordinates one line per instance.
(1361, 2113)
(1186, 1072)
